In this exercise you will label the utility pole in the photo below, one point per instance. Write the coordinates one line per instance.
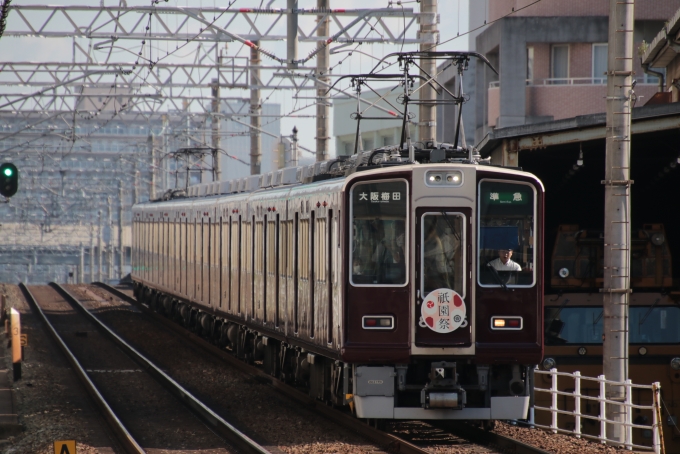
(292, 34)
(322, 98)
(255, 111)
(617, 237)
(216, 157)
(427, 112)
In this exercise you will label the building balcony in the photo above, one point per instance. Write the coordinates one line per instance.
(559, 98)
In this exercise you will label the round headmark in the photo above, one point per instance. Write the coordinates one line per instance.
(443, 311)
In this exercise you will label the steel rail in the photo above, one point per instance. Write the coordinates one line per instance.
(393, 443)
(215, 422)
(390, 442)
(482, 436)
(122, 434)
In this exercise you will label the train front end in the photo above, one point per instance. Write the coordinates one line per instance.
(443, 291)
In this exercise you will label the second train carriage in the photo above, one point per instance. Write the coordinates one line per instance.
(373, 287)
(574, 326)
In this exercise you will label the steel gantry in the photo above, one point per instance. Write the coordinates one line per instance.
(150, 83)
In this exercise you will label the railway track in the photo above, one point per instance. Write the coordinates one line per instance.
(145, 408)
(402, 438)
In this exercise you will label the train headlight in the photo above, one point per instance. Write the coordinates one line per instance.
(657, 239)
(454, 178)
(582, 351)
(564, 273)
(675, 364)
(549, 363)
(450, 178)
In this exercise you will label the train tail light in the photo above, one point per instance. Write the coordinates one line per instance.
(378, 322)
(506, 323)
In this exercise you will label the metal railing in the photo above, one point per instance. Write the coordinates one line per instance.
(578, 398)
(574, 81)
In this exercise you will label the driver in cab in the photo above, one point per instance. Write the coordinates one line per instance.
(504, 261)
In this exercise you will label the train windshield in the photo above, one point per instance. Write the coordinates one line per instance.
(583, 325)
(379, 237)
(507, 222)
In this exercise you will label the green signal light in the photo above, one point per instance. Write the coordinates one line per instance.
(8, 172)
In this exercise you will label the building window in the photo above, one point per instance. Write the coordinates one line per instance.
(649, 79)
(600, 63)
(349, 148)
(559, 64)
(368, 144)
(530, 64)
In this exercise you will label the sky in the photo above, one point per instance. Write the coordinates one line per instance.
(453, 20)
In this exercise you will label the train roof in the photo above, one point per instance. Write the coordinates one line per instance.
(332, 173)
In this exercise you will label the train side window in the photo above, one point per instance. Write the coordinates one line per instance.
(506, 226)
(251, 265)
(296, 276)
(379, 248)
(331, 271)
(313, 256)
(276, 245)
(584, 325)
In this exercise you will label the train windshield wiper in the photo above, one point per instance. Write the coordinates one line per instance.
(496, 276)
(649, 311)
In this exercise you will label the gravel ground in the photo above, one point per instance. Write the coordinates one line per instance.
(252, 406)
(53, 405)
(556, 443)
(155, 418)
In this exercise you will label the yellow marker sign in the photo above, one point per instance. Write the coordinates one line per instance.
(24, 340)
(15, 323)
(65, 447)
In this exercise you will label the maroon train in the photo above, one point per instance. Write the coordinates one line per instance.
(370, 280)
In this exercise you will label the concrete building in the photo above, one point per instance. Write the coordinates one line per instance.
(79, 176)
(235, 138)
(552, 59)
(374, 133)
(663, 55)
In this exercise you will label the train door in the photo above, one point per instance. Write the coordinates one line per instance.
(443, 302)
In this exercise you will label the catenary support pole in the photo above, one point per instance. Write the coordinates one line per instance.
(215, 123)
(91, 252)
(427, 113)
(255, 110)
(292, 34)
(121, 249)
(617, 236)
(99, 245)
(163, 162)
(81, 266)
(322, 97)
(111, 241)
(293, 149)
(152, 157)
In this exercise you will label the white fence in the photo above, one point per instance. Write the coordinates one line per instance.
(627, 407)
